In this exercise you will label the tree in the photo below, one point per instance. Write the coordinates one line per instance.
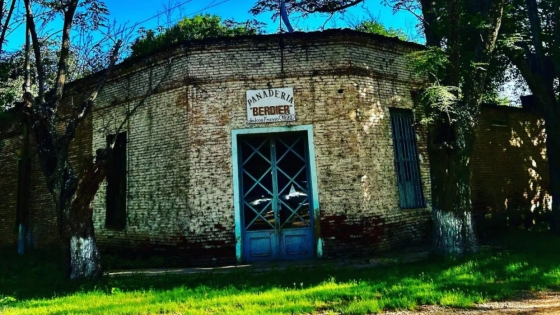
(54, 126)
(7, 88)
(55, 121)
(461, 37)
(532, 43)
(6, 92)
(19, 69)
(197, 27)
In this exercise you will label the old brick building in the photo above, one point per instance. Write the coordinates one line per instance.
(256, 148)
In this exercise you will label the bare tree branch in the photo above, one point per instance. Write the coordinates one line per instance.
(6, 23)
(89, 180)
(403, 5)
(27, 65)
(534, 81)
(37, 50)
(327, 20)
(140, 103)
(331, 7)
(2, 11)
(87, 104)
(305, 6)
(64, 52)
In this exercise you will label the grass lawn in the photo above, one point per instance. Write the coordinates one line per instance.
(526, 262)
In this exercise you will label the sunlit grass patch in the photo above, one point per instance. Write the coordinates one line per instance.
(362, 307)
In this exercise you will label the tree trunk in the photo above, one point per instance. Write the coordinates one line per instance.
(553, 155)
(451, 193)
(83, 258)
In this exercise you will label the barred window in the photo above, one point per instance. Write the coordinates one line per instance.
(406, 159)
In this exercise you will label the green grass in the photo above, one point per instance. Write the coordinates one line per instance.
(526, 262)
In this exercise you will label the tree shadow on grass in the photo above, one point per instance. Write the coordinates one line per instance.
(523, 263)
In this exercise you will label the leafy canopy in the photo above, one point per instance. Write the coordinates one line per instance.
(197, 27)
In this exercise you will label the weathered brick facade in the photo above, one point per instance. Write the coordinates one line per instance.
(180, 185)
(180, 181)
(510, 169)
(42, 231)
(8, 198)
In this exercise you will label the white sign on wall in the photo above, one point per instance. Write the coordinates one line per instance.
(270, 105)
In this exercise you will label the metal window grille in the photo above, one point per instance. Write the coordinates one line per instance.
(406, 160)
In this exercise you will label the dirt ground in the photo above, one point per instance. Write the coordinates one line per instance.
(527, 304)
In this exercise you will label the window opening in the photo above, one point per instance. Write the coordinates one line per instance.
(116, 183)
(407, 164)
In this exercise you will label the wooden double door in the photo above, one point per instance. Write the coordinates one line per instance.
(275, 196)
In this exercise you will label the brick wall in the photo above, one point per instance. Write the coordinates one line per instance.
(42, 229)
(8, 198)
(180, 183)
(510, 169)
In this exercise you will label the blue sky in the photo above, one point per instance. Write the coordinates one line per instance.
(136, 11)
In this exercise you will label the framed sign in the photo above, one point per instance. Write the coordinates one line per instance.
(270, 105)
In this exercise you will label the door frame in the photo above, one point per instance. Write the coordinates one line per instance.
(237, 189)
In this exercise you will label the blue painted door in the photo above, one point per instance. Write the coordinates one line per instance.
(275, 197)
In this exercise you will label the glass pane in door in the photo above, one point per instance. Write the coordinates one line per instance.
(257, 184)
(293, 190)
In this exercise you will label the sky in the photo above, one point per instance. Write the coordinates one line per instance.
(144, 13)
(139, 10)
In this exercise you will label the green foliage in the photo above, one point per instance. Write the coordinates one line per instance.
(444, 99)
(460, 63)
(520, 262)
(10, 86)
(432, 64)
(6, 300)
(374, 27)
(12, 72)
(10, 91)
(429, 64)
(197, 27)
